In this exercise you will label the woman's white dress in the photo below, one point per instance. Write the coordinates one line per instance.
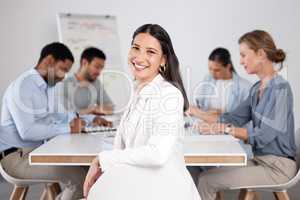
(147, 162)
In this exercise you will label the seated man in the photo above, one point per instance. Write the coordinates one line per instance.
(83, 91)
(27, 121)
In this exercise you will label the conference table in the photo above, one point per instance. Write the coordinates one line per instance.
(81, 149)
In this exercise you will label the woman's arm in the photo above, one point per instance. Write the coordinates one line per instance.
(239, 116)
(93, 174)
(221, 128)
(209, 116)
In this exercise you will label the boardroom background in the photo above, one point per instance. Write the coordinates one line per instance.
(196, 28)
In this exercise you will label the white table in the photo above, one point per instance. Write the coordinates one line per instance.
(213, 150)
(80, 149)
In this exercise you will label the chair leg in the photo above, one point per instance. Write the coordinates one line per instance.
(250, 195)
(51, 191)
(281, 195)
(44, 194)
(220, 195)
(57, 188)
(256, 196)
(242, 194)
(19, 193)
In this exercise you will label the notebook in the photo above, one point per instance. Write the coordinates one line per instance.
(99, 129)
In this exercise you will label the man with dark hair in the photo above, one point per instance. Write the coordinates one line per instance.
(27, 121)
(83, 92)
(58, 51)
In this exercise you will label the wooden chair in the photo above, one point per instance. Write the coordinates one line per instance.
(279, 190)
(21, 186)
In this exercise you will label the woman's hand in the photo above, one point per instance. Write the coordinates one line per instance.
(210, 128)
(217, 112)
(209, 116)
(191, 111)
(93, 174)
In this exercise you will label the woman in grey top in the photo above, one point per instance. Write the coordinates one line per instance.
(270, 108)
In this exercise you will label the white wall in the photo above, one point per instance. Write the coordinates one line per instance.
(196, 27)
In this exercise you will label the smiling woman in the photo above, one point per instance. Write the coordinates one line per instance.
(147, 160)
(145, 57)
(169, 65)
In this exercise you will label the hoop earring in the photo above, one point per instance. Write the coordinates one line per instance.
(162, 69)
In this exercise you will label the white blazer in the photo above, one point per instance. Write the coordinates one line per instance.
(148, 150)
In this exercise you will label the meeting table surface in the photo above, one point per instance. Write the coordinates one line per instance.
(81, 149)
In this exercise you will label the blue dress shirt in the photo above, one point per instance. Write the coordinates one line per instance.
(272, 130)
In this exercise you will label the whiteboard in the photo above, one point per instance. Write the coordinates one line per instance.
(79, 31)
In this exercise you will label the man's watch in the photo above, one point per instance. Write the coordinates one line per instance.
(228, 129)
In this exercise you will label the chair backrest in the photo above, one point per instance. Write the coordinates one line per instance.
(296, 178)
(21, 182)
(297, 138)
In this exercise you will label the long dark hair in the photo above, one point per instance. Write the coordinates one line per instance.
(172, 73)
(222, 56)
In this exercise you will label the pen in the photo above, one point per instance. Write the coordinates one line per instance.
(77, 114)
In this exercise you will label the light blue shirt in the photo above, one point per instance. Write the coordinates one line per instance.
(238, 92)
(27, 117)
